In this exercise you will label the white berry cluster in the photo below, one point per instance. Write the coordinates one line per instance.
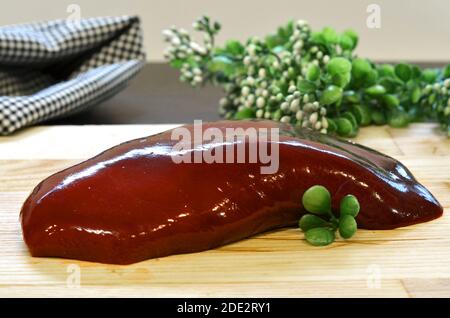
(182, 48)
(260, 88)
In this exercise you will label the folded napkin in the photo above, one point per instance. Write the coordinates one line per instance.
(56, 68)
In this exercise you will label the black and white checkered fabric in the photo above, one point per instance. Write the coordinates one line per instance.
(53, 69)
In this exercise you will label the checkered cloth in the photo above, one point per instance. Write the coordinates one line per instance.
(54, 69)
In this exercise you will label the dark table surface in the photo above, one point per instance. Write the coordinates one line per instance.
(155, 96)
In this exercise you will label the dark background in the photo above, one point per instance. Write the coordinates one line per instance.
(154, 96)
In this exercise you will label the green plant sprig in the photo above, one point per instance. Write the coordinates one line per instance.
(311, 79)
(321, 225)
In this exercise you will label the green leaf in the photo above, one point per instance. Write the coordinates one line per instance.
(331, 95)
(362, 114)
(177, 63)
(290, 27)
(330, 35)
(222, 64)
(310, 221)
(378, 118)
(376, 90)
(320, 236)
(446, 72)
(429, 75)
(273, 41)
(306, 87)
(360, 68)
(344, 126)
(371, 78)
(431, 99)
(347, 226)
(282, 85)
(341, 80)
(351, 96)
(416, 72)
(416, 114)
(391, 84)
(313, 72)
(332, 127)
(416, 94)
(245, 113)
(403, 72)
(353, 35)
(276, 115)
(234, 47)
(339, 65)
(391, 101)
(283, 33)
(318, 38)
(353, 132)
(386, 70)
(278, 49)
(346, 42)
(398, 118)
(351, 118)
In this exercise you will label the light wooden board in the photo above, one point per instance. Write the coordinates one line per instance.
(407, 262)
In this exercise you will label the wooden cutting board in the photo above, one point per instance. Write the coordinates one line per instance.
(406, 262)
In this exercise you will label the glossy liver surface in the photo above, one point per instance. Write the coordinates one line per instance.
(133, 202)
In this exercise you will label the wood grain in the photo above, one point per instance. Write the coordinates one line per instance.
(407, 262)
